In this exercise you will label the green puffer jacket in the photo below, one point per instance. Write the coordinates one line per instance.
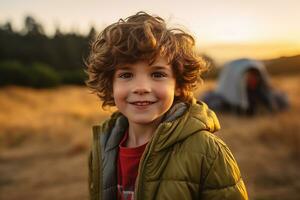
(183, 160)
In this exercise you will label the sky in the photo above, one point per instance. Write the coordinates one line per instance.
(224, 29)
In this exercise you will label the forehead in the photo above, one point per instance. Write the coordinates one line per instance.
(159, 62)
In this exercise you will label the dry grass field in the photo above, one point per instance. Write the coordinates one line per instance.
(45, 135)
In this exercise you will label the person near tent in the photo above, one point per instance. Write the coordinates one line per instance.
(257, 93)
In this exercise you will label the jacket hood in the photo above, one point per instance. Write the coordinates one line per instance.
(196, 117)
(181, 121)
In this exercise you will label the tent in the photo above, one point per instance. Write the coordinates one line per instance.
(234, 93)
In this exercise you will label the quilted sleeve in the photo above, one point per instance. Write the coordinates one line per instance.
(223, 180)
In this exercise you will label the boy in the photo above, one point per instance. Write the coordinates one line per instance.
(159, 144)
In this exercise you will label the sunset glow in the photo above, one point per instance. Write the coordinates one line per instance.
(223, 29)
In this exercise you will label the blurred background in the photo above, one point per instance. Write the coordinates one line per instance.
(46, 112)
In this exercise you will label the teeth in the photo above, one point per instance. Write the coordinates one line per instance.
(142, 103)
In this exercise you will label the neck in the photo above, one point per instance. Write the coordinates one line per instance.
(140, 134)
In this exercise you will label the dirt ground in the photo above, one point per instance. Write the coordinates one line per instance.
(42, 171)
(45, 137)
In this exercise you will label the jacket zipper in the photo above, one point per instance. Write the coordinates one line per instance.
(98, 160)
(143, 161)
(139, 176)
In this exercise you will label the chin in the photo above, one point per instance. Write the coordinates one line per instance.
(143, 121)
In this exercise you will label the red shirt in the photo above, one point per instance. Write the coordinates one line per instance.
(128, 164)
(252, 81)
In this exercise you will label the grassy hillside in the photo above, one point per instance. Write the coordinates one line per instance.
(283, 66)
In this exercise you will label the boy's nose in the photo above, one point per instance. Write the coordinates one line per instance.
(141, 85)
(141, 90)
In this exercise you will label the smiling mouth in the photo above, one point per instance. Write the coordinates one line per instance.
(142, 103)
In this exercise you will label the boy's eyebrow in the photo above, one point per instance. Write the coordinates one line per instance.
(123, 67)
(160, 67)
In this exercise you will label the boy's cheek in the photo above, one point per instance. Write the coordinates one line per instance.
(119, 93)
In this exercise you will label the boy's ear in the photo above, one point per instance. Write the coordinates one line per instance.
(177, 92)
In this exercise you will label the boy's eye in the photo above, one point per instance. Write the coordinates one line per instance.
(158, 75)
(125, 75)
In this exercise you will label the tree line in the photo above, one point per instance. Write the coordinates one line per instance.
(30, 57)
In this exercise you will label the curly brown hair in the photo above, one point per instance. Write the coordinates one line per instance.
(143, 37)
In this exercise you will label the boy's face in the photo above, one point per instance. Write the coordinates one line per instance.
(143, 92)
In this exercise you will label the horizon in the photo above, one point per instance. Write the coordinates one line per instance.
(223, 30)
